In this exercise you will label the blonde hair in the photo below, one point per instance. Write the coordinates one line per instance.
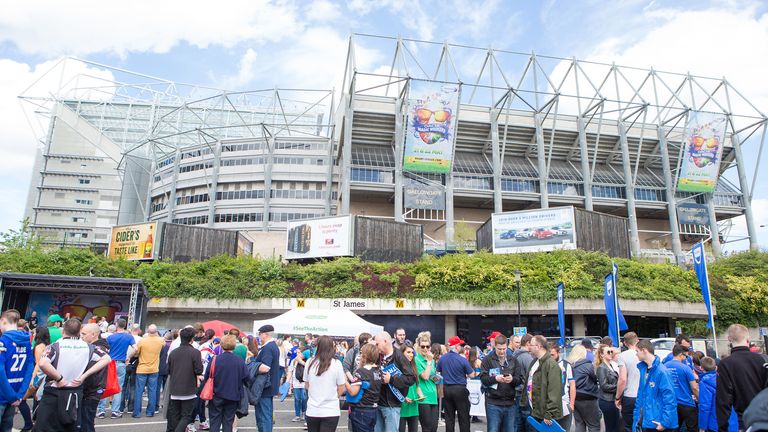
(424, 336)
(738, 334)
(577, 353)
(599, 354)
(228, 342)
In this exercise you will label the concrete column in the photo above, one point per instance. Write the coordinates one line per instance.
(717, 249)
(585, 171)
(496, 162)
(542, 161)
(634, 237)
(674, 225)
(329, 179)
(744, 185)
(399, 141)
(579, 325)
(172, 198)
(152, 170)
(214, 184)
(450, 327)
(449, 222)
(270, 143)
(346, 156)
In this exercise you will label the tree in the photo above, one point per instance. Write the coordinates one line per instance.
(22, 238)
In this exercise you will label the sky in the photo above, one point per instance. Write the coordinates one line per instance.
(255, 44)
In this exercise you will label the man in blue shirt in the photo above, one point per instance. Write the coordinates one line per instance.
(269, 356)
(16, 364)
(686, 388)
(119, 344)
(455, 370)
(685, 342)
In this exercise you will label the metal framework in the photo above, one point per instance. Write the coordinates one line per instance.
(587, 121)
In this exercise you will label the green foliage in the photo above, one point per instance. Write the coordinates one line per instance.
(23, 238)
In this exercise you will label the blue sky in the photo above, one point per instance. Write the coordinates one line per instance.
(242, 44)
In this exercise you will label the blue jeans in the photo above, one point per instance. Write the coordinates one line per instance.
(362, 419)
(6, 417)
(299, 401)
(118, 398)
(524, 412)
(264, 414)
(388, 419)
(501, 418)
(150, 382)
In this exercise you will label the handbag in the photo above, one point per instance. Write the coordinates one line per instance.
(112, 387)
(207, 392)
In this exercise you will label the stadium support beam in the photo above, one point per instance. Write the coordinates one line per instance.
(172, 196)
(270, 142)
(152, 169)
(496, 161)
(214, 183)
(329, 179)
(399, 138)
(674, 226)
(542, 160)
(449, 223)
(634, 237)
(346, 152)
(585, 172)
(717, 249)
(746, 196)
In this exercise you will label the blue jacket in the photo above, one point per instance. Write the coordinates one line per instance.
(707, 412)
(257, 382)
(16, 364)
(656, 400)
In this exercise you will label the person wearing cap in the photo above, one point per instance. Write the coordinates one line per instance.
(55, 322)
(455, 369)
(500, 375)
(269, 357)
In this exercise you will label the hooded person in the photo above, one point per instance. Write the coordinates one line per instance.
(16, 365)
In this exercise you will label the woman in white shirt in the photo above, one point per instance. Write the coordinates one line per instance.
(324, 382)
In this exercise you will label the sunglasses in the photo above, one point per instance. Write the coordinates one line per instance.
(424, 115)
(425, 346)
(80, 311)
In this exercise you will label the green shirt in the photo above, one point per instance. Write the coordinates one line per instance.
(241, 351)
(427, 386)
(410, 409)
(55, 333)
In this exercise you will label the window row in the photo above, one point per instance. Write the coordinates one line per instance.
(192, 199)
(241, 147)
(166, 162)
(195, 153)
(244, 161)
(301, 145)
(192, 220)
(238, 217)
(195, 167)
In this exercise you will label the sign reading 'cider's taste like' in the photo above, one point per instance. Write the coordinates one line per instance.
(133, 242)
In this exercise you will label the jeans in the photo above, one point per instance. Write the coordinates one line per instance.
(118, 398)
(627, 412)
(456, 405)
(362, 419)
(586, 415)
(221, 414)
(6, 417)
(387, 419)
(428, 417)
(88, 415)
(688, 418)
(501, 418)
(264, 414)
(26, 414)
(523, 411)
(150, 382)
(199, 410)
(299, 402)
(128, 388)
(611, 415)
(161, 380)
(322, 424)
(180, 414)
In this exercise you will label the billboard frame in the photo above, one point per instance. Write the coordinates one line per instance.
(527, 249)
(350, 240)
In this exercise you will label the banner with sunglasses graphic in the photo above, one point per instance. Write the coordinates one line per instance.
(77, 306)
(432, 110)
(704, 142)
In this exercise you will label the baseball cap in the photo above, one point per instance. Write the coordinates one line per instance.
(455, 340)
(55, 318)
(266, 328)
(493, 335)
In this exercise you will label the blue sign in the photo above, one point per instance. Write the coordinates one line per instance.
(521, 331)
(700, 266)
(561, 312)
(616, 321)
(692, 214)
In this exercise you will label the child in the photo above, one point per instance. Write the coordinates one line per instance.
(363, 410)
(707, 387)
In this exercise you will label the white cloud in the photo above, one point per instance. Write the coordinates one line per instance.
(143, 25)
(322, 10)
(244, 73)
(739, 228)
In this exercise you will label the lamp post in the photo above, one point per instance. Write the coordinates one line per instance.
(517, 282)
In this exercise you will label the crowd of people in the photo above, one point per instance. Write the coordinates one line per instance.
(72, 373)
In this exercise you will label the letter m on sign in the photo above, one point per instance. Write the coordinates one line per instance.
(299, 303)
(399, 304)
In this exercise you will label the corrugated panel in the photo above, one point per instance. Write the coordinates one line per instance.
(386, 240)
(602, 233)
(183, 243)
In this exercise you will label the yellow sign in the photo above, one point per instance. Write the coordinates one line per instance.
(299, 303)
(399, 303)
(133, 242)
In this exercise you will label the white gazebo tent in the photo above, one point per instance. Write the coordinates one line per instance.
(329, 322)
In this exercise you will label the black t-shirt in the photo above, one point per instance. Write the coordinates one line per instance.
(32, 323)
(371, 394)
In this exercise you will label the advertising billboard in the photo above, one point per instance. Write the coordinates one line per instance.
(319, 238)
(704, 140)
(421, 195)
(534, 230)
(432, 111)
(134, 242)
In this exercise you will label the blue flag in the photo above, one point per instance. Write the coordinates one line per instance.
(700, 266)
(561, 312)
(616, 321)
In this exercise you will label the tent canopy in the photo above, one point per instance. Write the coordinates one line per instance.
(328, 322)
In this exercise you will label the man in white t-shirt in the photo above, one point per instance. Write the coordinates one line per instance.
(629, 380)
(569, 386)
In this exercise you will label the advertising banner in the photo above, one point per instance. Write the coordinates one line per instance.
(703, 150)
(319, 238)
(432, 111)
(534, 230)
(133, 242)
(420, 195)
(692, 214)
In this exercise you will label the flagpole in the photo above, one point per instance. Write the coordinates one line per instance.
(616, 304)
(711, 315)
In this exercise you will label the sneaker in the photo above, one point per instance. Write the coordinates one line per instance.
(150, 414)
(191, 428)
(101, 415)
(117, 415)
(204, 425)
(296, 419)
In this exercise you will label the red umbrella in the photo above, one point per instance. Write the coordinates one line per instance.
(219, 327)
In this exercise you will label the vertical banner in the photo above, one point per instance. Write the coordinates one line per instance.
(616, 321)
(703, 142)
(700, 266)
(432, 110)
(561, 312)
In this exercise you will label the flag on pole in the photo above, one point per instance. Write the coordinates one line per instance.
(561, 312)
(700, 266)
(616, 321)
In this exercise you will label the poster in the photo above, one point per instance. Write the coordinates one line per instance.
(319, 238)
(476, 398)
(704, 140)
(421, 195)
(692, 214)
(432, 114)
(77, 306)
(534, 230)
(134, 242)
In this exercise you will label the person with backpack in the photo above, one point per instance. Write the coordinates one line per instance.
(569, 386)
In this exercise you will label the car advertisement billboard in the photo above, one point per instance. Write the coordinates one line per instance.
(134, 242)
(534, 230)
(704, 140)
(319, 238)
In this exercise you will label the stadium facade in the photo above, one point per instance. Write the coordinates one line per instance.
(531, 132)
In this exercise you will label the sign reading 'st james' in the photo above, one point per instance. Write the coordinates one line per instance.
(432, 115)
(703, 142)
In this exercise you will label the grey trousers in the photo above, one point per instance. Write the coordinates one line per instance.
(586, 415)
